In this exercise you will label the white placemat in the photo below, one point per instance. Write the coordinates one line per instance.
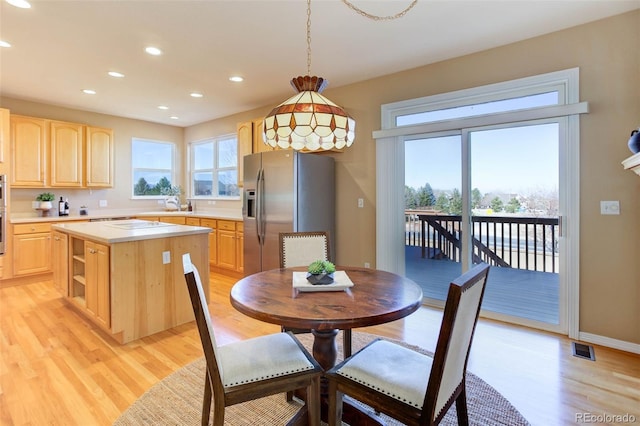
(340, 282)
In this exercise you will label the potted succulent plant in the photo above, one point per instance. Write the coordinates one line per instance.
(320, 272)
(45, 200)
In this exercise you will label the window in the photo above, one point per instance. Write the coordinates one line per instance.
(214, 167)
(153, 167)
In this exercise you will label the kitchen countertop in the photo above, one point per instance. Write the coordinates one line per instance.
(110, 232)
(225, 214)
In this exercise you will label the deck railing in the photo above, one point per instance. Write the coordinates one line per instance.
(520, 242)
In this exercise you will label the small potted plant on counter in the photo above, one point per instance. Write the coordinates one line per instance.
(321, 272)
(45, 200)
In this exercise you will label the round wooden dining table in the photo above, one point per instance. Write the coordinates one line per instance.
(376, 297)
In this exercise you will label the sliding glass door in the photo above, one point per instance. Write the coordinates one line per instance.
(487, 194)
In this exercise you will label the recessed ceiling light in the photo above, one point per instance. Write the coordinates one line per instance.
(4, 44)
(196, 95)
(115, 74)
(153, 51)
(173, 117)
(236, 78)
(89, 91)
(163, 107)
(22, 4)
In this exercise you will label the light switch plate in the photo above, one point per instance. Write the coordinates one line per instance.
(166, 257)
(609, 207)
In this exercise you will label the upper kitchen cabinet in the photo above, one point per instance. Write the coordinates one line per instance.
(48, 153)
(99, 157)
(5, 136)
(29, 138)
(258, 141)
(66, 159)
(245, 135)
(249, 141)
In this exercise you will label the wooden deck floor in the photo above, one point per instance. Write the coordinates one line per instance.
(515, 292)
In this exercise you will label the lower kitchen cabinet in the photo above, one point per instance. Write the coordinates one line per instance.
(212, 240)
(230, 245)
(60, 261)
(89, 283)
(31, 248)
(97, 281)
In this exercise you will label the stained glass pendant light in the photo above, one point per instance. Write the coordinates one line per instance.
(308, 120)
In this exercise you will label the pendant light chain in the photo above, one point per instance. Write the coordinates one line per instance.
(308, 37)
(379, 18)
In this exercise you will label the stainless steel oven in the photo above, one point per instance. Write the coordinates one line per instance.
(3, 215)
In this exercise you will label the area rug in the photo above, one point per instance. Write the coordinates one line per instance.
(177, 400)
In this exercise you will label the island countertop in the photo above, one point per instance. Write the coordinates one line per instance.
(120, 231)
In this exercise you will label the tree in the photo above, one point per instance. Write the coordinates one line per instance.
(410, 198)
(442, 203)
(476, 198)
(426, 198)
(512, 206)
(455, 203)
(141, 188)
(497, 204)
(163, 184)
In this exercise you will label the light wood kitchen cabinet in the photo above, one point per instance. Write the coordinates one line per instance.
(97, 280)
(5, 137)
(230, 245)
(31, 248)
(240, 246)
(213, 240)
(176, 220)
(29, 138)
(60, 259)
(245, 142)
(257, 140)
(192, 221)
(249, 141)
(48, 153)
(99, 157)
(90, 279)
(227, 245)
(66, 145)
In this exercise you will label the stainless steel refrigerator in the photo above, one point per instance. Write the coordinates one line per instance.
(284, 191)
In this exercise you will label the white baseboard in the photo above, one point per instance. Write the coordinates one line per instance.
(610, 343)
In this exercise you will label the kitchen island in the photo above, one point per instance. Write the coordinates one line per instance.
(126, 276)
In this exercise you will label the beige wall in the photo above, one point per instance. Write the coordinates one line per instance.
(607, 54)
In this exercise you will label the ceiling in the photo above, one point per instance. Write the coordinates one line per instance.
(59, 48)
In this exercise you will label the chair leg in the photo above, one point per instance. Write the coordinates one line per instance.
(206, 403)
(313, 402)
(461, 407)
(334, 417)
(346, 342)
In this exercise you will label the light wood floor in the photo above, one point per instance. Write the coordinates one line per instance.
(56, 369)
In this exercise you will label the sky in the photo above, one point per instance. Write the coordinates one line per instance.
(511, 160)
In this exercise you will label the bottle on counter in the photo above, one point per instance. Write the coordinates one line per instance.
(189, 206)
(61, 207)
(66, 207)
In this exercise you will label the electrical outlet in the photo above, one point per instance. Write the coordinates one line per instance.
(103, 203)
(367, 265)
(609, 207)
(166, 257)
(360, 202)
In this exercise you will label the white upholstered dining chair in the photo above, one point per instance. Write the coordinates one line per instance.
(250, 369)
(300, 249)
(411, 387)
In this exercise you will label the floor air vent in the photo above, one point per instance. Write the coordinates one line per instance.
(583, 351)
